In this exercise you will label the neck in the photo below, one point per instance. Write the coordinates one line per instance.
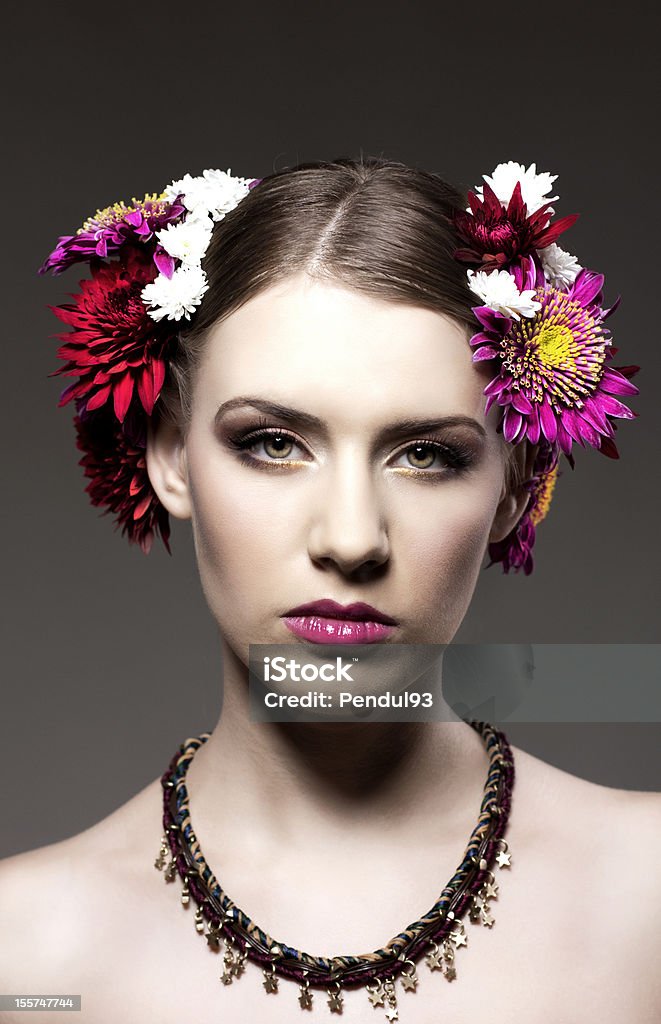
(394, 776)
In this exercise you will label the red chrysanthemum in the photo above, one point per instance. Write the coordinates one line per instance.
(114, 461)
(115, 347)
(497, 236)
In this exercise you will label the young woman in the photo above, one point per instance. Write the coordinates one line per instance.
(293, 366)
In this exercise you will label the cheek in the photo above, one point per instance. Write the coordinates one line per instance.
(238, 534)
(444, 552)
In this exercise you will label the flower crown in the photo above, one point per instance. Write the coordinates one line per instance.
(541, 320)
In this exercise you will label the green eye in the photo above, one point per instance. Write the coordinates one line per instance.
(278, 446)
(421, 461)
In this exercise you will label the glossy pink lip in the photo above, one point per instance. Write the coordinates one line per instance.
(359, 611)
(327, 622)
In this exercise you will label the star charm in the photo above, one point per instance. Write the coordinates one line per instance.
(376, 995)
(434, 960)
(451, 973)
(490, 891)
(475, 912)
(459, 938)
(392, 1013)
(270, 983)
(487, 920)
(409, 982)
(335, 1002)
(213, 940)
(503, 859)
(305, 1000)
(226, 978)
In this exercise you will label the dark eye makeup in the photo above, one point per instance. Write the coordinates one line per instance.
(457, 456)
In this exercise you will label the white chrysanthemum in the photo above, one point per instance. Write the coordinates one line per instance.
(187, 241)
(177, 296)
(498, 290)
(534, 187)
(560, 267)
(213, 193)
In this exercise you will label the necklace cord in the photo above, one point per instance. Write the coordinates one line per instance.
(228, 920)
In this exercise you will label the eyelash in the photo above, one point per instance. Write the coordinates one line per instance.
(459, 456)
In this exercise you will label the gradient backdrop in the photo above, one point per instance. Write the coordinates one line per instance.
(109, 658)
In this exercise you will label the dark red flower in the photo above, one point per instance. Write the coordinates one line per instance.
(497, 236)
(115, 346)
(114, 461)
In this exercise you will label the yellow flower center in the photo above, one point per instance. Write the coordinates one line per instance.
(559, 353)
(154, 203)
(554, 345)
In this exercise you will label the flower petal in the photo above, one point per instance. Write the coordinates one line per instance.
(586, 287)
(122, 394)
(534, 425)
(511, 424)
(98, 398)
(492, 320)
(521, 403)
(548, 421)
(613, 381)
(485, 352)
(553, 231)
(612, 407)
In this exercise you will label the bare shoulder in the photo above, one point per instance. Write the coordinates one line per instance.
(40, 943)
(621, 823)
(56, 898)
(605, 843)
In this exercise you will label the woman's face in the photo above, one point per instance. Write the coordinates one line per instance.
(337, 494)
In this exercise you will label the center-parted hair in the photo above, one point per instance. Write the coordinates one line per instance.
(374, 225)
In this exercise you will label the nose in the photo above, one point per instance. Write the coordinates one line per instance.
(348, 526)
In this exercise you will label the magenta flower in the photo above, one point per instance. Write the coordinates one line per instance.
(108, 230)
(553, 381)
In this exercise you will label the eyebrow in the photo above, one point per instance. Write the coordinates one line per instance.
(311, 422)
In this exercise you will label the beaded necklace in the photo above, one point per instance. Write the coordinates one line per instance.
(436, 935)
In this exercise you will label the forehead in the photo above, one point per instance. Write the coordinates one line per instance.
(327, 348)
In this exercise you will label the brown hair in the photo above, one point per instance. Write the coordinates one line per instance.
(378, 226)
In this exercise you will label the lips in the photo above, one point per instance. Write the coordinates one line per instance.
(327, 621)
(357, 612)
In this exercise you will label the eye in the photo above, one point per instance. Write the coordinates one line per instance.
(276, 446)
(421, 456)
(430, 455)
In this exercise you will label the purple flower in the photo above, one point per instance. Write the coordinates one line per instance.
(553, 382)
(108, 230)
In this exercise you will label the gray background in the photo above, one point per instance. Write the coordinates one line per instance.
(110, 658)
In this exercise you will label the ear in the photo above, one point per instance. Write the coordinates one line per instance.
(166, 466)
(513, 501)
